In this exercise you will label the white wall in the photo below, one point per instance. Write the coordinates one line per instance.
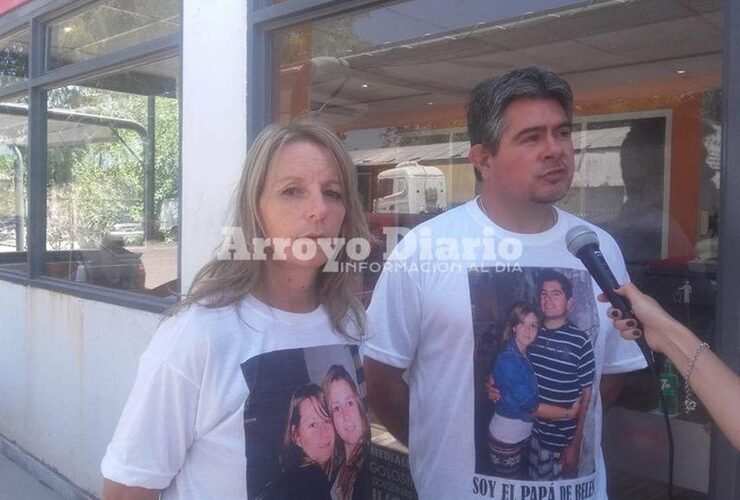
(214, 121)
(66, 367)
(67, 364)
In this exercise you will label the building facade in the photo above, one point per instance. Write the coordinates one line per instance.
(124, 126)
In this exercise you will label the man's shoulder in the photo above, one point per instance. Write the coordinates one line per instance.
(456, 223)
(572, 220)
(574, 330)
(457, 219)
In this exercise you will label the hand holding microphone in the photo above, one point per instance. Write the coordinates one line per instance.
(584, 244)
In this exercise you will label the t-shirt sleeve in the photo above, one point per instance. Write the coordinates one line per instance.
(394, 316)
(157, 425)
(620, 355)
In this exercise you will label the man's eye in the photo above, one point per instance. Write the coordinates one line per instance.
(565, 133)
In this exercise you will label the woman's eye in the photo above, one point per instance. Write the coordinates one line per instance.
(290, 191)
(332, 193)
(335, 409)
(350, 404)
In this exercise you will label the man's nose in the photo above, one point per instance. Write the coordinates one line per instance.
(555, 146)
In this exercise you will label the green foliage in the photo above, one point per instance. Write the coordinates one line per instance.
(93, 186)
(7, 185)
(14, 59)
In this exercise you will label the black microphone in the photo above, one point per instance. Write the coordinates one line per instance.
(584, 244)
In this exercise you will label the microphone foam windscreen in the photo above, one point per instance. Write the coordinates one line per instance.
(580, 236)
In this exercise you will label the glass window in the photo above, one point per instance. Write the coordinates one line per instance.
(13, 184)
(14, 57)
(113, 167)
(108, 26)
(394, 80)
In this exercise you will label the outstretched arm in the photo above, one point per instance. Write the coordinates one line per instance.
(666, 335)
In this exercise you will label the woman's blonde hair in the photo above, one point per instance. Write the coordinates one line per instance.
(518, 313)
(350, 466)
(223, 283)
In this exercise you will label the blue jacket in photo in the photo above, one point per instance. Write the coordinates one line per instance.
(515, 379)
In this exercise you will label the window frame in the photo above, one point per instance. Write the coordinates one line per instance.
(725, 461)
(36, 15)
(263, 20)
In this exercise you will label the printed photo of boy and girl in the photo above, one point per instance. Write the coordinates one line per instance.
(306, 427)
(535, 331)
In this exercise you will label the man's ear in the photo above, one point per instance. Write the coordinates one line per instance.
(569, 304)
(479, 157)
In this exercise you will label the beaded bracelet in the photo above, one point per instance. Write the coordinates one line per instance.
(689, 403)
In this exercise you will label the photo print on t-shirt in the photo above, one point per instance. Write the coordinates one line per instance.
(305, 425)
(535, 331)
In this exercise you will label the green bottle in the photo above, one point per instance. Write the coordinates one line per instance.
(669, 386)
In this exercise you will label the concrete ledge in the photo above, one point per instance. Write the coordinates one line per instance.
(42, 472)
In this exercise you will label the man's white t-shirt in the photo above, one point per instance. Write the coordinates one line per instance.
(191, 420)
(436, 311)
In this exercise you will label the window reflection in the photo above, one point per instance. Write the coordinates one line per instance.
(13, 182)
(113, 166)
(108, 26)
(394, 82)
(14, 57)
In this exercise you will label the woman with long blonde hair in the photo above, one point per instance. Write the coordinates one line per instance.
(353, 430)
(183, 432)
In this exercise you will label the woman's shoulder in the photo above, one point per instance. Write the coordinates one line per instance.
(308, 481)
(506, 354)
(506, 362)
(198, 321)
(191, 334)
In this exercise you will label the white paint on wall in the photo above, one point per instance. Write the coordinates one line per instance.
(213, 122)
(67, 364)
(66, 368)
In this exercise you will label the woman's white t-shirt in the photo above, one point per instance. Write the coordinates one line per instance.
(183, 427)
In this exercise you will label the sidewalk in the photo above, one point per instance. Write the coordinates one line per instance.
(17, 484)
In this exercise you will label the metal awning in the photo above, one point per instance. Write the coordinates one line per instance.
(448, 152)
(69, 128)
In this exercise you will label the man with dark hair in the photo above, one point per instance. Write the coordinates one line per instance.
(490, 99)
(421, 318)
(563, 361)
